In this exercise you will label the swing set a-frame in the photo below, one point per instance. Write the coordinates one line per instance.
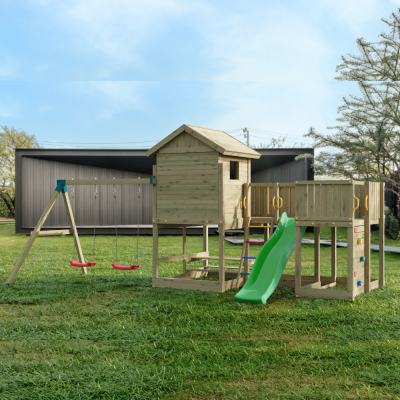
(62, 188)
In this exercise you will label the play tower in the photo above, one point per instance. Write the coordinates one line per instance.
(200, 174)
(355, 206)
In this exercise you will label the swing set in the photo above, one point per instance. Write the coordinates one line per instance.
(62, 188)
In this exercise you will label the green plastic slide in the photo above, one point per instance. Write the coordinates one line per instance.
(270, 263)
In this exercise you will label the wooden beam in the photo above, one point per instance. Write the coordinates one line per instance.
(154, 194)
(77, 243)
(107, 181)
(333, 253)
(155, 252)
(54, 232)
(351, 288)
(367, 236)
(382, 235)
(221, 230)
(205, 244)
(317, 254)
(184, 248)
(298, 257)
(36, 231)
(187, 284)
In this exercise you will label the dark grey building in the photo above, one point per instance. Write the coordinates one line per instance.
(37, 171)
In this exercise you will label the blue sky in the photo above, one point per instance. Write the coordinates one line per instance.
(129, 72)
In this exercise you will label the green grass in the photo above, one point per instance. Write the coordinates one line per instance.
(110, 335)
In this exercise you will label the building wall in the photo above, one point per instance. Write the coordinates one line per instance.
(39, 178)
(288, 172)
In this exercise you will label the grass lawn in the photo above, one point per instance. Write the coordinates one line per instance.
(110, 335)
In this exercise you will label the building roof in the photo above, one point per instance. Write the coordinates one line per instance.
(218, 140)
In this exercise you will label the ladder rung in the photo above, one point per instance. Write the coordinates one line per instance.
(249, 258)
(252, 242)
(255, 226)
(245, 273)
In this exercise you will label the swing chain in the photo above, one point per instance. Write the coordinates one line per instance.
(137, 235)
(72, 190)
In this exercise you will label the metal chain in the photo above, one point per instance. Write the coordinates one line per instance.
(115, 220)
(94, 229)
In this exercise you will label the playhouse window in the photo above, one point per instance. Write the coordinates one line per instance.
(234, 170)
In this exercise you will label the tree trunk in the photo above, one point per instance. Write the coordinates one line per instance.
(8, 203)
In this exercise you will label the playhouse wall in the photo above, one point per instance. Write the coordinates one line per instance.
(187, 180)
(233, 191)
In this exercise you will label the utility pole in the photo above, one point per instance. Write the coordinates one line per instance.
(247, 135)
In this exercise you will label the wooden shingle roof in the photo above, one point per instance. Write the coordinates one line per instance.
(218, 140)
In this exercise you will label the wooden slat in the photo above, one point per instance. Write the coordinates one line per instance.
(187, 284)
(292, 201)
(184, 163)
(221, 230)
(311, 201)
(181, 257)
(154, 193)
(189, 157)
(36, 231)
(317, 200)
(183, 150)
(336, 201)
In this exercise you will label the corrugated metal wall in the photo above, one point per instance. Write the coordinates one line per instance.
(39, 178)
(288, 172)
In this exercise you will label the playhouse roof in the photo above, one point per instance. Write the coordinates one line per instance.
(218, 140)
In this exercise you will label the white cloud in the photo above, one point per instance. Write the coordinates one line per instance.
(114, 96)
(271, 106)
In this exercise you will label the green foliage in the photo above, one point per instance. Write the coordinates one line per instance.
(11, 139)
(392, 224)
(366, 141)
(4, 210)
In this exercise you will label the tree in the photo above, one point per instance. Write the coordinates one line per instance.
(10, 139)
(366, 142)
(276, 142)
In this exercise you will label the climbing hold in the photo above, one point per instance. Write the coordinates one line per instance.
(359, 283)
(362, 259)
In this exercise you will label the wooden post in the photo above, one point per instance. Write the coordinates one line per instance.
(276, 211)
(205, 245)
(74, 230)
(367, 236)
(221, 229)
(155, 251)
(221, 226)
(382, 235)
(28, 246)
(350, 264)
(184, 248)
(247, 216)
(333, 253)
(317, 254)
(245, 251)
(154, 193)
(298, 258)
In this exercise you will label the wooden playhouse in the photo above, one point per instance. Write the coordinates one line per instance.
(199, 177)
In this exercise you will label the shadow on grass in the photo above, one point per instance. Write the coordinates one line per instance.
(56, 288)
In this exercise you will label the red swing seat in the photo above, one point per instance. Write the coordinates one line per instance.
(119, 266)
(81, 265)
